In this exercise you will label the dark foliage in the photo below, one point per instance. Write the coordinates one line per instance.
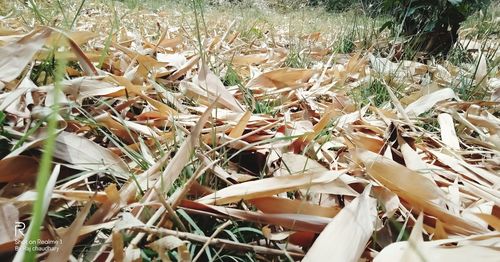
(431, 25)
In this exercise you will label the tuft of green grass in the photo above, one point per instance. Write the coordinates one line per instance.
(107, 44)
(459, 55)
(37, 12)
(266, 106)
(45, 167)
(43, 72)
(296, 59)
(374, 93)
(344, 45)
(468, 91)
(428, 122)
(231, 78)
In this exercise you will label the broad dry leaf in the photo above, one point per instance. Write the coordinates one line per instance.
(240, 127)
(279, 78)
(9, 216)
(292, 221)
(86, 154)
(82, 58)
(185, 68)
(252, 59)
(64, 247)
(388, 199)
(448, 134)
(83, 87)
(491, 220)
(169, 243)
(416, 250)
(117, 245)
(420, 192)
(276, 205)
(211, 84)
(18, 168)
(426, 102)
(24, 49)
(133, 255)
(181, 158)
(345, 238)
(269, 186)
(482, 69)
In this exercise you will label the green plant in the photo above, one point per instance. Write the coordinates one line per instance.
(333, 5)
(296, 59)
(483, 24)
(458, 55)
(231, 78)
(345, 44)
(45, 168)
(375, 93)
(431, 25)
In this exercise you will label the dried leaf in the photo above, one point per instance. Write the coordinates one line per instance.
(415, 249)
(276, 205)
(86, 154)
(9, 216)
(268, 187)
(63, 248)
(420, 192)
(426, 102)
(210, 83)
(280, 78)
(349, 232)
(25, 48)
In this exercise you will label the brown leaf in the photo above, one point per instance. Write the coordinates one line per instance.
(276, 205)
(18, 169)
(181, 158)
(298, 222)
(420, 192)
(210, 83)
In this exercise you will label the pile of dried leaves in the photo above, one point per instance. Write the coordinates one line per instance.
(163, 145)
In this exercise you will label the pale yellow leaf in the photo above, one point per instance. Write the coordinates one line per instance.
(345, 238)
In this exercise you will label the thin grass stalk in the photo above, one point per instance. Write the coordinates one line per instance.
(45, 166)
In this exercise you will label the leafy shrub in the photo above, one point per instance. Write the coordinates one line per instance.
(432, 25)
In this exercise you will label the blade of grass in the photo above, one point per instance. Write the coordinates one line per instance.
(45, 167)
(39, 16)
(77, 14)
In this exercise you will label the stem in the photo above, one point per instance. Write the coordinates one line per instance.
(224, 243)
(45, 168)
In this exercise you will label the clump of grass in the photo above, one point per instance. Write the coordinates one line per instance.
(231, 78)
(43, 73)
(374, 93)
(296, 59)
(253, 32)
(459, 55)
(428, 122)
(344, 45)
(265, 106)
(468, 91)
